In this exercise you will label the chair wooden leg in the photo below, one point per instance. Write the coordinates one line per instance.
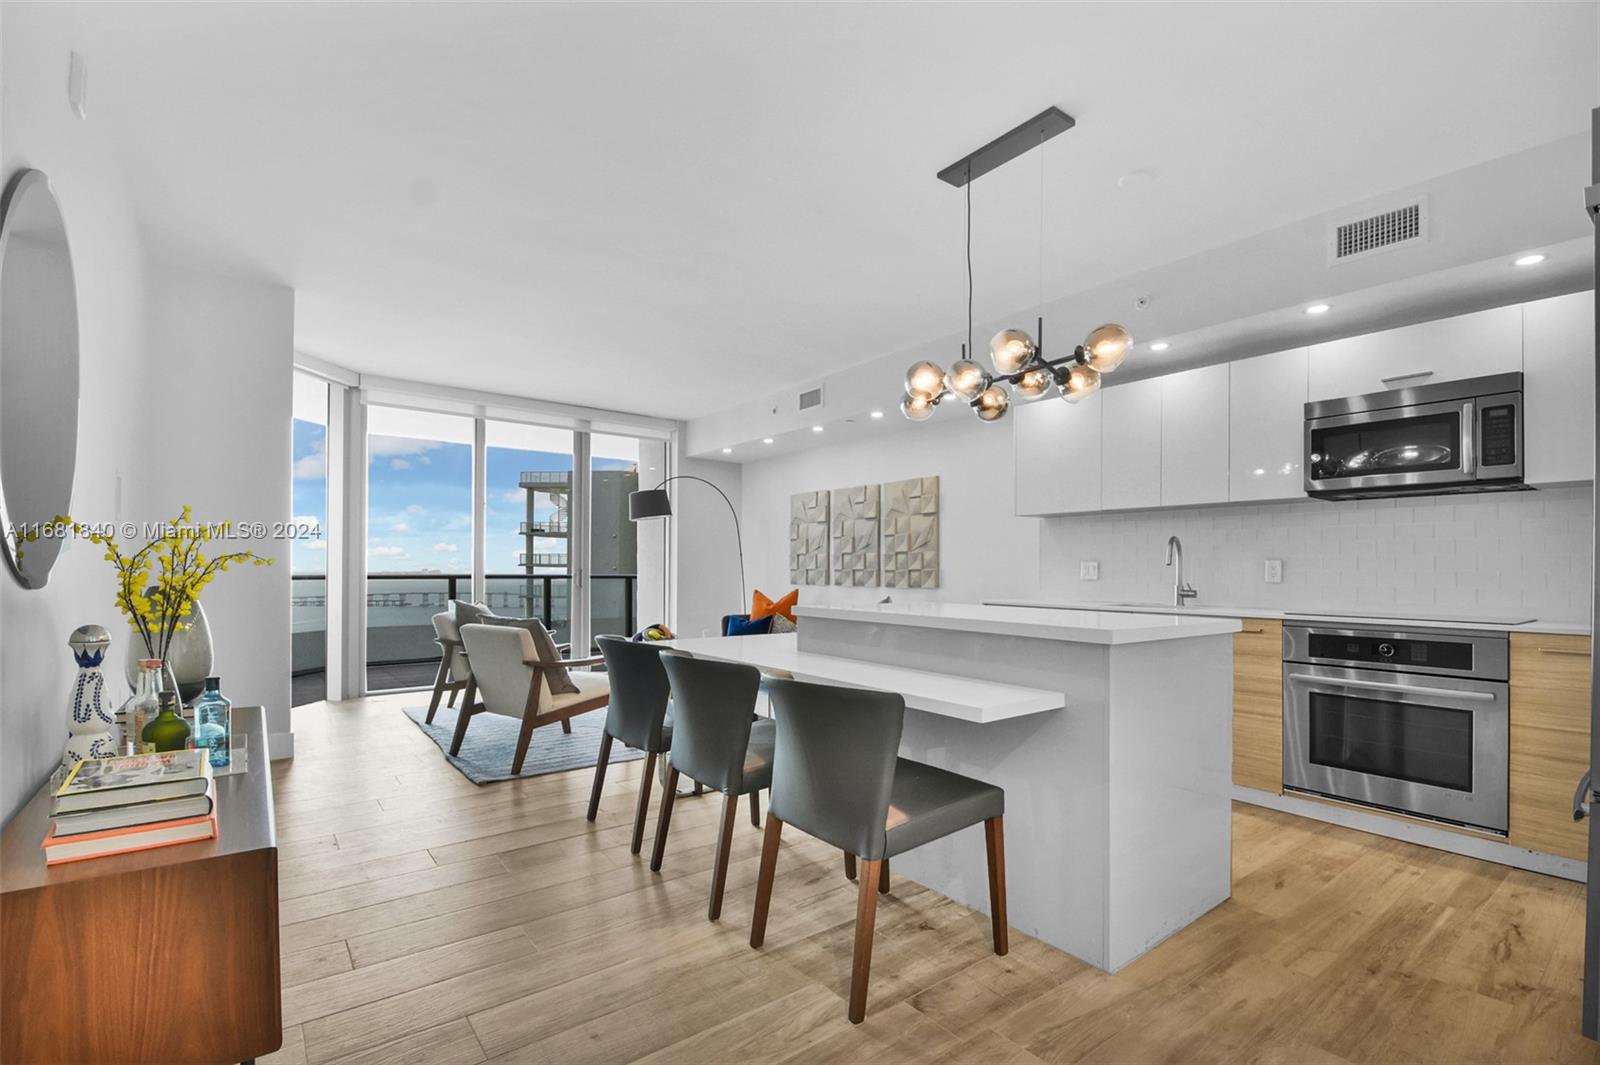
(866, 918)
(755, 808)
(644, 801)
(849, 866)
(523, 739)
(883, 878)
(451, 701)
(566, 725)
(994, 839)
(769, 867)
(438, 688)
(669, 794)
(599, 775)
(719, 872)
(463, 716)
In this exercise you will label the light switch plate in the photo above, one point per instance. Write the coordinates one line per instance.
(1088, 571)
(1274, 571)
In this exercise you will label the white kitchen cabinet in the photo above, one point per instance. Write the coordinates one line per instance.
(1130, 445)
(1194, 437)
(1558, 389)
(1266, 419)
(1057, 447)
(1449, 349)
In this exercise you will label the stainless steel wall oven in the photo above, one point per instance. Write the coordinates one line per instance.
(1414, 722)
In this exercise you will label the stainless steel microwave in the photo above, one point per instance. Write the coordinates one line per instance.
(1456, 436)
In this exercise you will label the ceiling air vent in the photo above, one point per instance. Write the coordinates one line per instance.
(1373, 233)
(811, 398)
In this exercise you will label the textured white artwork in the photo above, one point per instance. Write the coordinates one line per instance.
(855, 536)
(808, 538)
(911, 533)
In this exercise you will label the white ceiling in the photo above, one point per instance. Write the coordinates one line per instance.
(667, 208)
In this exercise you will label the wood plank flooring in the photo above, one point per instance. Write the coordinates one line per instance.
(431, 921)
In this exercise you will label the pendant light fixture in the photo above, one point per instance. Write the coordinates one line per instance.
(1017, 359)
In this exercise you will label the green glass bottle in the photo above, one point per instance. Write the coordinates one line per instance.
(168, 732)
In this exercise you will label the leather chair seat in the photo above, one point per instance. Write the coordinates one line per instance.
(928, 803)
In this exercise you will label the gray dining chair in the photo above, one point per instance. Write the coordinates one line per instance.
(640, 699)
(717, 741)
(837, 775)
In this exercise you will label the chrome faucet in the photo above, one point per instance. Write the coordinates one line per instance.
(1180, 590)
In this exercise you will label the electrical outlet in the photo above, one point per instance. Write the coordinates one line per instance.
(1088, 571)
(1274, 571)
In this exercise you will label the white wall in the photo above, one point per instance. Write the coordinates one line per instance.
(1492, 555)
(222, 367)
(985, 550)
(708, 559)
(40, 131)
(184, 397)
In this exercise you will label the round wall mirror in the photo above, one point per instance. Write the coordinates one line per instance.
(38, 375)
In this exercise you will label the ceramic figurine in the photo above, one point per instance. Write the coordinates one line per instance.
(91, 721)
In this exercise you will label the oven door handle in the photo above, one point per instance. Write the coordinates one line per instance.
(1409, 689)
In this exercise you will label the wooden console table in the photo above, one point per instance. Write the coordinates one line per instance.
(161, 956)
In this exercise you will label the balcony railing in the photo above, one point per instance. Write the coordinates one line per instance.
(547, 479)
(540, 558)
(554, 525)
(400, 609)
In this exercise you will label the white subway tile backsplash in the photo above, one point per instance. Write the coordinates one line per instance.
(1524, 552)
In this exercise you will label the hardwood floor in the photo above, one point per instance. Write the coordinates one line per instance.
(428, 920)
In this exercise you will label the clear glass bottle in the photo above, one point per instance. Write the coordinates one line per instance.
(168, 732)
(142, 709)
(213, 720)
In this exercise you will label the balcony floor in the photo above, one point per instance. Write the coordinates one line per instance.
(313, 687)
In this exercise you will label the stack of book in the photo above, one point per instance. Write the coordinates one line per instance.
(131, 803)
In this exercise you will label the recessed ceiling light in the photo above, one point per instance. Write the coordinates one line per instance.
(816, 428)
(877, 414)
(727, 451)
(1530, 260)
(1319, 308)
(1160, 345)
(766, 439)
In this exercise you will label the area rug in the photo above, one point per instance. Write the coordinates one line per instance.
(491, 744)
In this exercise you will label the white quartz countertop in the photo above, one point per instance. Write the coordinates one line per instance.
(1392, 619)
(970, 699)
(1037, 621)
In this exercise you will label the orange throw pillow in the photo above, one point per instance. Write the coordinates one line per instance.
(762, 607)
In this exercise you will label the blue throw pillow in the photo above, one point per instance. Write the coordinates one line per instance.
(738, 626)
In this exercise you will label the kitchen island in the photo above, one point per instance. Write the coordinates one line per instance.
(1110, 733)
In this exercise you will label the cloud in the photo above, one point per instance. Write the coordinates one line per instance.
(386, 551)
(446, 549)
(515, 495)
(400, 528)
(384, 446)
(312, 467)
(415, 508)
(312, 545)
(399, 464)
(308, 522)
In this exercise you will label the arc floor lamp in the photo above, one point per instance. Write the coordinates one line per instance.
(655, 503)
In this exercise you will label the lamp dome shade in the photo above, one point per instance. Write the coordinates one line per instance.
(649, 503)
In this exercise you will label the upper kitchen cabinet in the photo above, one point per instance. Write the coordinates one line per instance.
(1266, 426)
(1449, 349)
(1057, 448)
(1130, 443)
(1194, 437)
(1558, 389)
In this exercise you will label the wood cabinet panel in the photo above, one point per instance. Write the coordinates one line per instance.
(1258, 705)
(1549, 741)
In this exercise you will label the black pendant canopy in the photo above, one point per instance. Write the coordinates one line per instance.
(1006, 147)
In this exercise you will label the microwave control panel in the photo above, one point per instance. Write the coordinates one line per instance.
(1498, 426)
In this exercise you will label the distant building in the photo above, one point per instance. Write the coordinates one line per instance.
(547, 527)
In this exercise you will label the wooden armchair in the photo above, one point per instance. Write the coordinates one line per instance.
(505, 669)
(454, 672)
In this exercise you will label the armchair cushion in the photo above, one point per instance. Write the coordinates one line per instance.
(544, 649)
(500, 655)
(449, 636)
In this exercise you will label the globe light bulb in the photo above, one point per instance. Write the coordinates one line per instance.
(992, 404)
(966, 379)
(1034, 383)
(1108, 345)
(1010, 350)
(925, 379)
(917, 408)
(1079, 383)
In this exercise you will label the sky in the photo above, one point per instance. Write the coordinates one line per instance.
(419, 493)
